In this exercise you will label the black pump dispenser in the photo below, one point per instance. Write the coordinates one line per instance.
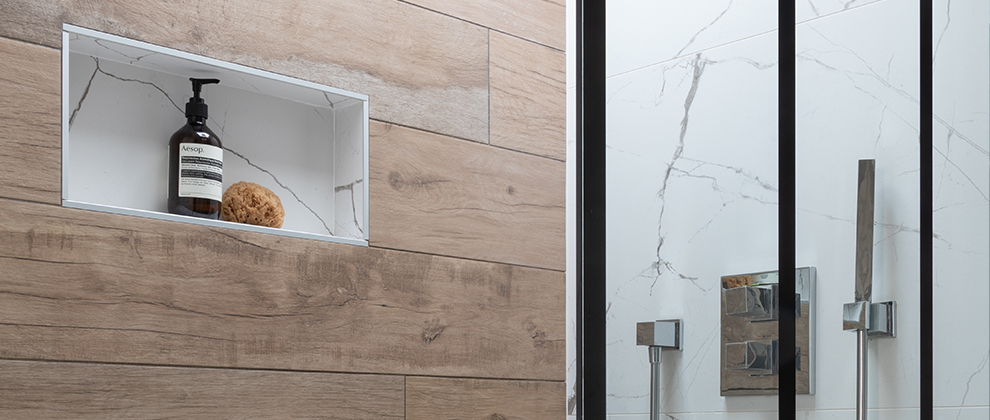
(196, 107)
(195, 162)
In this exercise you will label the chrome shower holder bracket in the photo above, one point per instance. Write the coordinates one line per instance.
(879, 319)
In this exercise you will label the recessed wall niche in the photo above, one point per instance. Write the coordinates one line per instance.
(122, 99)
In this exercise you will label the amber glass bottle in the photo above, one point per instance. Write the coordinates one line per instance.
(195, 163)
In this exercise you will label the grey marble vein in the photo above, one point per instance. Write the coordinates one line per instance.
(131, 59)
(223, 134)
(317, 111)
(876, 142)
(961, 171)
(886, 83)
(122, 79)
(899, 228)
(717, 188)
(626, 152)
(693, 38)
(609, 100)
(948, 20)
(698, 65)
(248, 82)
(738, 171)
(350, 187)
(325, 95)
(85, 93)
(969, 382)
(962, 136)
(872, 73)
(708, 344)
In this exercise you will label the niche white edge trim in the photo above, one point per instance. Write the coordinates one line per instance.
(72, 29)
(207, 222)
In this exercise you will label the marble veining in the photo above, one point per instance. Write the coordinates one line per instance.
(275, 178)
(223, 131)
(130, 124)
(692, 193)
(349, 187)
(695, 36)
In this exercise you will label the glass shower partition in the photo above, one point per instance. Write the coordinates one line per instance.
(692, 200)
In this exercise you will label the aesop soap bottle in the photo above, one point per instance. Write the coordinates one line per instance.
(195, 163)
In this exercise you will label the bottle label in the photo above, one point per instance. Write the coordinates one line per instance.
(200, 171)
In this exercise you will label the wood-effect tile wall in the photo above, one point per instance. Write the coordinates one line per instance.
(456, 310)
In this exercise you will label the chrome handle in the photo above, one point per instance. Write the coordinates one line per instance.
(758, 303)
(756, 357)
(754, 302)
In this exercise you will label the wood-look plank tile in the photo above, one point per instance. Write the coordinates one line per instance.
(439, 195)
(456, 399)
(30, 122)
(87, 286)
(40, 390)
(36, 21)
(541, 21)
(528, 97)
(420, 68)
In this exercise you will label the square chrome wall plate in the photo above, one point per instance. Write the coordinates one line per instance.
(749, 315)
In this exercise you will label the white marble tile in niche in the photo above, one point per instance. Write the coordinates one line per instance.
(108, 134)
(121, 112)
(349, 185)
(279, 153)
(140, 129)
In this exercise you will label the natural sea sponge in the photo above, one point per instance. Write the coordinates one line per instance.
(730, 282)
(250, 203)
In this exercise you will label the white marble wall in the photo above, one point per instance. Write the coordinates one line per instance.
(692, 141)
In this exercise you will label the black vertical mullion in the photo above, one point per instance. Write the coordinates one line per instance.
(925, 186)
(590, 156)
(786, 260)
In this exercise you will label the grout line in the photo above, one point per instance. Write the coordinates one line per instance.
(23, 41)
(370, 245)
(840, 11)
(533, 154)
(255, 369)
(692, 53)
(21, 200)
(488, 27)
(181, 366)
(427, 131)
(735, 41)
(489, 35)
(464, 139)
